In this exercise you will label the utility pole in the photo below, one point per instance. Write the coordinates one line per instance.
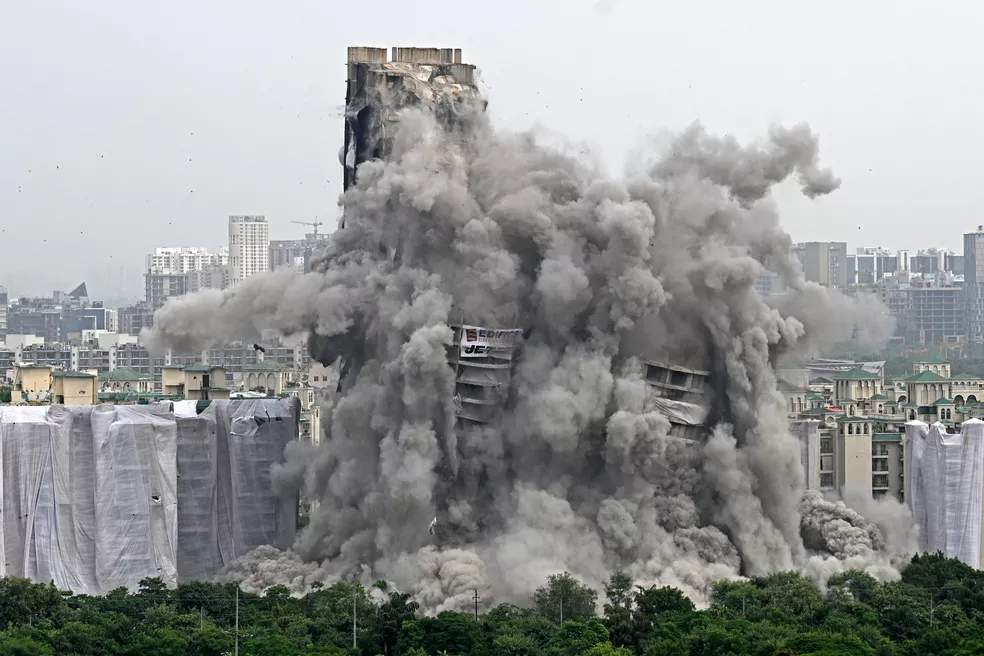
(354, 612)
(236, 632)
(201, 620)
(562, 610)
(475, 598)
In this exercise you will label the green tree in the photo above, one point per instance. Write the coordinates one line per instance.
(565, 598)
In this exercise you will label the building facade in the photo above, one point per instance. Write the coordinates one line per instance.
(824, 262)
(249, 247)
(974, 285)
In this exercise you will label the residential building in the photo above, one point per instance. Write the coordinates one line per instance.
(174, 271)
(196, 382)
(4, 308)
(185, 259)
(974, 285)
(288, 253)
(162, 285)
(824, 262)
(215, 276)
(860, 438)
(249, 247)
(74, 387)
(134, 318)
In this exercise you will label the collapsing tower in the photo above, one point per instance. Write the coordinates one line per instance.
(378, 87)
(482, 360)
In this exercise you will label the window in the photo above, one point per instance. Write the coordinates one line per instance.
(826, 463)
(826, 481)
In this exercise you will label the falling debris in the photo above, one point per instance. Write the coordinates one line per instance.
(584, 469)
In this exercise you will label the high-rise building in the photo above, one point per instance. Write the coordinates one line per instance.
(973, 270)
(4, 306)
(249, 247)
(376, 85)
(824, 262)
(935, 310)
(173, 271)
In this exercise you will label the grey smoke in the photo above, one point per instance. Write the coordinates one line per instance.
(582, 474)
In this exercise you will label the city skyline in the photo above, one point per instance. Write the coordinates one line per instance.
(260, 130)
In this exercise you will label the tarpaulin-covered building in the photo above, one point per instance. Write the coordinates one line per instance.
(944, 486)
(99, 497)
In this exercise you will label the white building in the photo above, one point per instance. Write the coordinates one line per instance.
(249, 247)
(185, 259)
(173, 271)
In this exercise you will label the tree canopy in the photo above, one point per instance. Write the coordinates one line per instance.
(936, 608)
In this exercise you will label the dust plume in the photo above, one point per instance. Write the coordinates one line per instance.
(582, 473)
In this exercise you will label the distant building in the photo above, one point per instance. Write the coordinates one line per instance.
(74, 388)
(770, 284)
(175, 271)
(824, 262)
(974, 285)
(4, 307)
(160, 286)
(134, 318)
(935, 311)
(249, 247)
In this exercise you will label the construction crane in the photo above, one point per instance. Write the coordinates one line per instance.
(314, 223)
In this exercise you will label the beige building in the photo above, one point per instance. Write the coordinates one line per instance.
(860, 445)
(74, 388)
(196, 382)
(32, 379)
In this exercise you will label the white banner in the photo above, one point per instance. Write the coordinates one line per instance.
(478, 342)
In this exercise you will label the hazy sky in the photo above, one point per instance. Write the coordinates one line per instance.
(130, 125)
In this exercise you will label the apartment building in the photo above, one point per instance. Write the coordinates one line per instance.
(824, 262)
(249, 247)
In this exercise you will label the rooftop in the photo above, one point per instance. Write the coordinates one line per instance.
(857, 374)
(265, 365)
(932, 360)
(786, 386)
(124, 374)
(821, 381)
(926, 377)
(71, 374)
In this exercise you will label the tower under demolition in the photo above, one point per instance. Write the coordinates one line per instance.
(378, 87)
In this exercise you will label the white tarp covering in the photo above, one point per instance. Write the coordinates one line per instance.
(808, 432)
(99, 497)
(944, 485)
(136, 494)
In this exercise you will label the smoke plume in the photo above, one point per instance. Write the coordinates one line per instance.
(582, 473)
